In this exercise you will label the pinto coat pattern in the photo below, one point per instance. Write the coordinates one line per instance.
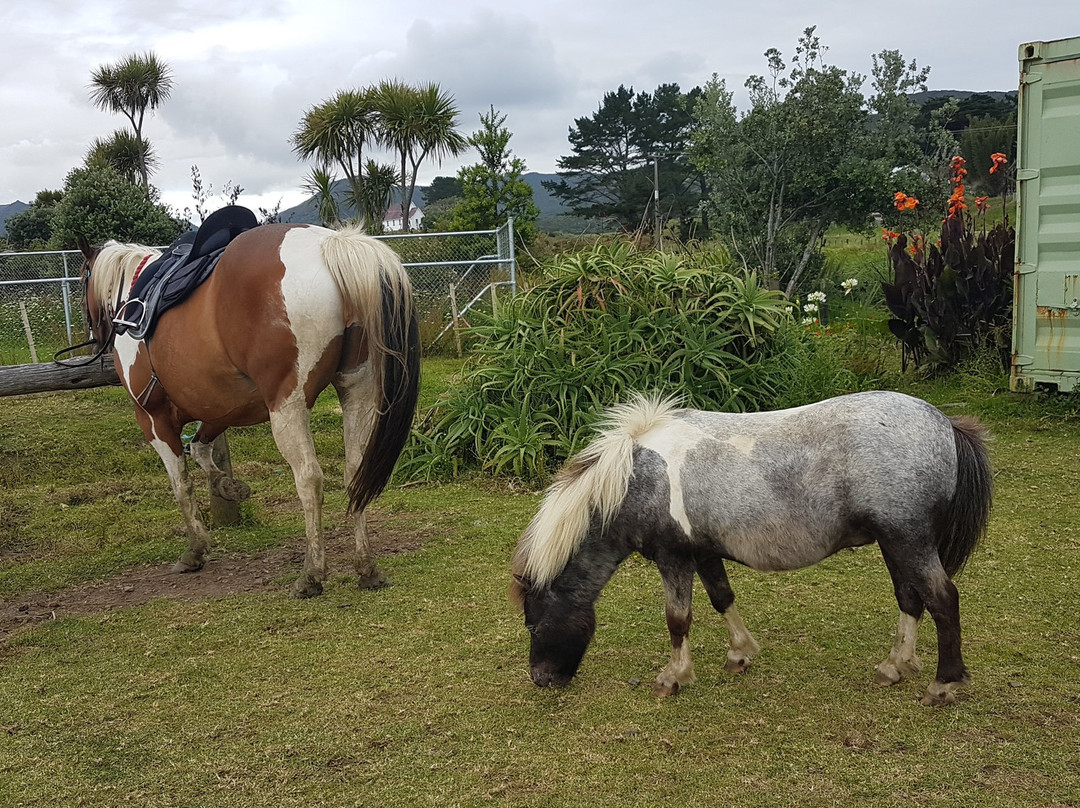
(775, 491)
(288, 311)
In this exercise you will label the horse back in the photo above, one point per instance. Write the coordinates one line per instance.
(268, 320)
(785, 489)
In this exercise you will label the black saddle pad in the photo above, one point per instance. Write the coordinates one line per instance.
(175, 275)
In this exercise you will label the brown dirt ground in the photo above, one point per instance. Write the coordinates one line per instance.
(223, 575)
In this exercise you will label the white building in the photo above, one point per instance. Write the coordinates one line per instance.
(392, 220)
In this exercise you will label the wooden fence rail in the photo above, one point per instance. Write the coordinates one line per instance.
(21, 380)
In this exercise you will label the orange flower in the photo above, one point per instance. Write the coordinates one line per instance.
(900, 199)
(910, 203)
(889, 236)
(999, 160)
(982, 204)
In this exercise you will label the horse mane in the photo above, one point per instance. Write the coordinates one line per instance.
(595, 480)
(114, 270)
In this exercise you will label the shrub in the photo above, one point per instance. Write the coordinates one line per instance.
(597, 325)
(952, 299)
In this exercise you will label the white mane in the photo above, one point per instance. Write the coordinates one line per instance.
(114, 270)
(594, 481)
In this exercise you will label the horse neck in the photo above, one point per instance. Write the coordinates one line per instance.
(114, 272)
(589, 570)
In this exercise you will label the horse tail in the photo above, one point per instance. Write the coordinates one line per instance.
(379, 298)
(969, 511)
(593, 482)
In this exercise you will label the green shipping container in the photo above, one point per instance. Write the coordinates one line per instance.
(1046, 305)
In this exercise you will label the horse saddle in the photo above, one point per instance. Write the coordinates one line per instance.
(175, 275)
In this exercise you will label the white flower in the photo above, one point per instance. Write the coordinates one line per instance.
(810, 308)
(849, 284)
(789, 310)
(816, 297)
(808, 321)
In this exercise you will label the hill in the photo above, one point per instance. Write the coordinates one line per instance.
(554, 215)
(10, 210)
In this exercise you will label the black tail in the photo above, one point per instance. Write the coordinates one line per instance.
(400, 389)
(969, 510)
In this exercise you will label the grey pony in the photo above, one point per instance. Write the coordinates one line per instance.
(779, 490)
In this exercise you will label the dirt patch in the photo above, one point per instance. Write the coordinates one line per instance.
(223, 575)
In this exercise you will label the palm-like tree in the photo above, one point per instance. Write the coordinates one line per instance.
(131, 87)
(123, 152)
(416, 123)
(320, 184)
(335, 133)
(379, 183)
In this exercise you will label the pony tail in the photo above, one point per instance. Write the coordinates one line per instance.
(595, 481)
(969, 511)
(379, 297)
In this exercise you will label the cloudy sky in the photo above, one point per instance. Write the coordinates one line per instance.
(244, 70)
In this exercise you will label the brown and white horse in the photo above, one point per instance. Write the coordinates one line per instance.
(288, 310)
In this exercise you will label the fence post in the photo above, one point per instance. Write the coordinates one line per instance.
(454, 316)
(29, 333)
(66, 292)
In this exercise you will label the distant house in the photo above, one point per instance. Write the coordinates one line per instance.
(392, 222)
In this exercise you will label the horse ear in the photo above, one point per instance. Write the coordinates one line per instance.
(84, 246)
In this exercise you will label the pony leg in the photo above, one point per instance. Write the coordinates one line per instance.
(943, 603)
(171, 452)
(222, 483)
(291, 425)
(901, 662)
(920, 581)
(357, 394)
(678, 580)
(743, 647)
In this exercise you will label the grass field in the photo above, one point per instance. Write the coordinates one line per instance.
(419, 694)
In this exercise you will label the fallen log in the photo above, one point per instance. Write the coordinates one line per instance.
(21, 380)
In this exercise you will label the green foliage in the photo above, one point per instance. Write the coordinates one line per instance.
(953, 299)
(100, 204)
(130, 87)
(609, 176)
(798, 161)
(493, 189)
(598, 325)
(32, 228)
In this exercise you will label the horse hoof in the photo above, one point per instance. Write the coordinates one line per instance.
(304, 588)
(886, 674)
(939, 695)
(662, 691)
(736, 665)
(187, 564)
(233, 490)
(373, 580)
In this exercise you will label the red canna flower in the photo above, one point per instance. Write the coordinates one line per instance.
(982, 203)
(890, 235)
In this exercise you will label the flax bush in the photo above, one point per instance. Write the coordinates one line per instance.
(597, 326)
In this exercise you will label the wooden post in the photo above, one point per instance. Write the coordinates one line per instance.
(223, 511)
(454, 315)
(21, 380)
(29, 333)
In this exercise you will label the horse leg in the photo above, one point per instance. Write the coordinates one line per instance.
(902, 661)
(943, 603)
(166, 441)
(678, 577)
(222, 483)
(291, 425)
(743, 647)
(921, 581)
(357, 393)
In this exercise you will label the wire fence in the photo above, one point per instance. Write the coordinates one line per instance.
(41, 293)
